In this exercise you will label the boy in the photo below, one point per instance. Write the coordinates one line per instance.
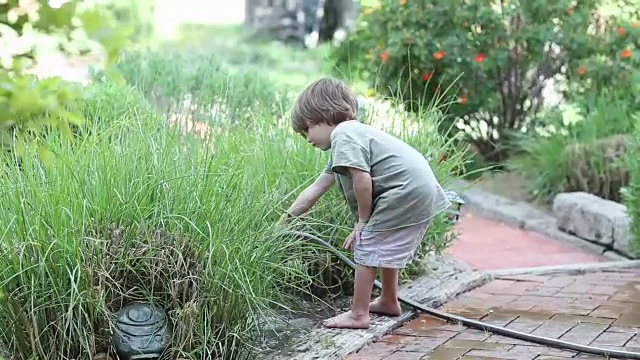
(389, 186)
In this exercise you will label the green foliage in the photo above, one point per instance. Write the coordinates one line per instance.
(493, 57)
(172, 201)
(264, 106)
(201, 83)
(134, 211)
(612, 67)
(29, 105)
(139, 15)
(584, 153)
(632, 192)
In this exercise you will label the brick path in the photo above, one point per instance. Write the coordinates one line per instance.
(598, 309)
(485, 244)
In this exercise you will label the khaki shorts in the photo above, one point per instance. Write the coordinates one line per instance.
(389, 249)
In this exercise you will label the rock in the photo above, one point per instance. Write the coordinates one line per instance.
(495, 207)
(592, 218)
(568, 224)
(622, 235)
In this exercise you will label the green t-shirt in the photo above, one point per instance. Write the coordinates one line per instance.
(405, 189)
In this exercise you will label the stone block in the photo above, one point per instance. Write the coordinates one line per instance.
(495, 207)
(622, 236)
(592, 218)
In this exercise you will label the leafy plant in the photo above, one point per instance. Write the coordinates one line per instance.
(28, 105)
(134, 211)
(494, 57)
(196, 90)
(170, 196)
(581, 153)
(135, 14)
(631, 194)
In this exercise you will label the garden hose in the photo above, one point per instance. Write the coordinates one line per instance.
(479, 325)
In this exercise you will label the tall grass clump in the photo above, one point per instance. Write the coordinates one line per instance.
(632, 192)
(169, 195)
(134, 211)
(191, 84)
(196, 83)
(584, 153)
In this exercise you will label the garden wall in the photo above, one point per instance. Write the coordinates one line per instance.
(595, 219)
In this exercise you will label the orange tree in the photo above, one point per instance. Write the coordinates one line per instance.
(614, 70)
(492, 57)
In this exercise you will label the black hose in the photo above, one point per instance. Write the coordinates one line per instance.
(479, 325)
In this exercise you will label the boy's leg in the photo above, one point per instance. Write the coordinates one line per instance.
(358, 317)
(387, 303)
(395, 252)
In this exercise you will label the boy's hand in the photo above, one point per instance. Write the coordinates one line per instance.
(354, 237)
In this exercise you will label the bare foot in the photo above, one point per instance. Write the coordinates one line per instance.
(348, 321)
(387, 309)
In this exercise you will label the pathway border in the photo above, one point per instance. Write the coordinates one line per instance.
(447, 279)
(338, 344)
(571, 269)
(524, 216)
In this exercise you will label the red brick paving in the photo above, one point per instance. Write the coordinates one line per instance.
(599, 309)
(490, 245)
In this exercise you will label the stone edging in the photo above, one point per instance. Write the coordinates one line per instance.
(449, 278)
(446, 280)
(338, 344)
(571, 269)
(525, 216)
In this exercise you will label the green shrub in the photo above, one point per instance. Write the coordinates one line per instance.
(139, 15)
(136, 210)
(632, 192)
(195, 81)
(262, 105)
(30, 31)
(493, 58)
(581, 153)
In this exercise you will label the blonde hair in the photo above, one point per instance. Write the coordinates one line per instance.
(324, 101)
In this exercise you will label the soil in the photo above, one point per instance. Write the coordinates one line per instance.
(511, 186)
(288, 334)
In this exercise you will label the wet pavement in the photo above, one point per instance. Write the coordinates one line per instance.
(599, 309)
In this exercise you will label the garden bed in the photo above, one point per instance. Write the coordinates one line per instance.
(287, 332)
(145, 213)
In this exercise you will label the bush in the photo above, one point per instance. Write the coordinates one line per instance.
(495, 59)
(632, 192)
(30, 106)
(597, 167)
(187, 81)
(135, 210)
(139, 15)
(580, 153)
(166, 78)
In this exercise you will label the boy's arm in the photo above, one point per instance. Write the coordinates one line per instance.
(351, 154)
(311, 194)
(363, 191)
